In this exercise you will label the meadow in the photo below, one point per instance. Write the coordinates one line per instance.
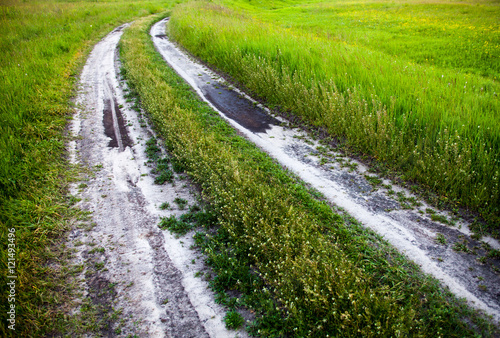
(411, 84)
(43, 46)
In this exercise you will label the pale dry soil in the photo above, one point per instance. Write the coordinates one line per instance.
(136, 279)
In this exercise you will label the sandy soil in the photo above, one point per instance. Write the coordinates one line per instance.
(136, 279)
(411, 231)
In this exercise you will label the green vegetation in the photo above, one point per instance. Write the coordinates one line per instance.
(412, 84)
(181, 203)
(303, 269)
(277, 246)
(175, 225)
(43, 45)
(161, 164)
(233, 320)
(441, 239)
(166, 175)
(165, 206)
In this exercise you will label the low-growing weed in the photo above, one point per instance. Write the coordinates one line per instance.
(233, 320)
(152, 149)
(461, 246)
(438, 218)
(373, 180)
(165, 176)
(175, 225)
(494, 253)
(323, 161)
(441, 239)
(181, 202)
(165, 206)
(94, 250)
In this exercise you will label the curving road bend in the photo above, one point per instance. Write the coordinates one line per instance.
(412, 232)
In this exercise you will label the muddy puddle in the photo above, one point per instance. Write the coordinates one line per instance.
(391, 211)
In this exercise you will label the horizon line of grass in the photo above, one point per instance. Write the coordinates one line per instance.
(437, 126)
(43, 48)
(320, 273)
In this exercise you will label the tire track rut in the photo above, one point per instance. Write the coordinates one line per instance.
(346, 184)
(136, 279)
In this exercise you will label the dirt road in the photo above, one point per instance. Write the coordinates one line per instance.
(137, 279)
(398, 216)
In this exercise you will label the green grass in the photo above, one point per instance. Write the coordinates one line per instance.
(301, 267)
(233, 320)
(175, 225)
(370, 73)
(43, 46)
(459, 35)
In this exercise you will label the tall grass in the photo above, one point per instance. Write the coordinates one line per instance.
(43, 45)
(457, 35)
(321, 276)
(437, 125)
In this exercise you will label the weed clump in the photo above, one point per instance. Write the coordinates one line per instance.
(165, 176)
(175, 225)
(181, 203)
(233, 320)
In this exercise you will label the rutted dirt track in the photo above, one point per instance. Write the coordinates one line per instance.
(131, 267)
(148, 273)
(408, 230)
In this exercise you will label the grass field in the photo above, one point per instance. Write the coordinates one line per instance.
(43, 45)
(412, 84)
(300, 266)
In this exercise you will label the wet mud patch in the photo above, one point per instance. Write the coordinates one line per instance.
(114, 125)
(99, 306)
(239, 109)
(231, 103)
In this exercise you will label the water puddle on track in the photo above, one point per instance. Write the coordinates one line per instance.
(412, 232)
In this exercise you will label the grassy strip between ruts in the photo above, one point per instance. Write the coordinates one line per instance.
(43, 45)
(315, 272)
(437, 125)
